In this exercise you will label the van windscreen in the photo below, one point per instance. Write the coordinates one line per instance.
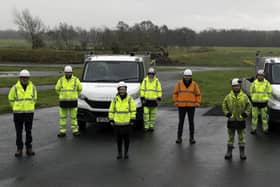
(111, 71)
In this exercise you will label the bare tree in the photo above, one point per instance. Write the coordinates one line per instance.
(32, 27)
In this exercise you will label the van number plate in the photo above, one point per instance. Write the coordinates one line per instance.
(102, 120)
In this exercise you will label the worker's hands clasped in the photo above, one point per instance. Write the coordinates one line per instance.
(244, 115)
(228, 115)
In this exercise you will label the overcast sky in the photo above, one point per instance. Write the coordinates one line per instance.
(195, 14)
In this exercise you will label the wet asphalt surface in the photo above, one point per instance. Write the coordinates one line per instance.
(155, 159)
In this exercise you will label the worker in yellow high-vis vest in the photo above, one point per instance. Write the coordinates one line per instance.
(260, 91)
(150, 93)
(122, 115)
(68, 88)
(22, 98)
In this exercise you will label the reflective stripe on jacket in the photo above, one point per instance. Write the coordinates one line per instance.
(68, 90)
(151, 90)
(183, 96)
(236, 105)
(23, 101)
(260, 91)
(121, 111)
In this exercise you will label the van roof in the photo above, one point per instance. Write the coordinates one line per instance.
(272, 59)
(115, 58)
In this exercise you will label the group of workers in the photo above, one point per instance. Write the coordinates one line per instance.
(122, 111)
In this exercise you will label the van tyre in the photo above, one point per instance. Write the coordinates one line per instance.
(82, 125)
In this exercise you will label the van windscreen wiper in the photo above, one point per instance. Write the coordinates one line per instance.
(125, 79)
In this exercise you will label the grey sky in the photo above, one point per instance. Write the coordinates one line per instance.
(195, 14)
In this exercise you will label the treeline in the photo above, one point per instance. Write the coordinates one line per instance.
(142, 36)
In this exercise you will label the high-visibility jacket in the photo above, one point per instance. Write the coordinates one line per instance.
(260, 91)
(151, 90)
(23, 101)
(68, 89)
(186, 97)
(121, 111)
(236, 105)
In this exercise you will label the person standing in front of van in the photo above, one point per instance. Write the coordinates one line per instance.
(236, 107)
(122, 115)
(22, 98)
(260, 91)
(186, 96)
(150, 94)
(68, 87)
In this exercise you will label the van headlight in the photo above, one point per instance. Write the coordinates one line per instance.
(82, 97)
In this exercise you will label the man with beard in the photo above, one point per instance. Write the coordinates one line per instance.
(236, 107)
(68, 87)
(186, 96)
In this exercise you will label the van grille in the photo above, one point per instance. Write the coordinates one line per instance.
(99, 104)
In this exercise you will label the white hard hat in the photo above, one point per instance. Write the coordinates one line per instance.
(188, 72)
(24, 73)
(235, 81)
(152, 70)
(121, 84)
(260, 72)
(68, 69)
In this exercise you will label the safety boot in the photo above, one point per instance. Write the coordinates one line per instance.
(228, 155)
(119, 156)
(126, 156)
(179, 140)
(61, 135)
(242, 153)
(76, 134)
(30, 152)
(18, 153)
(192, 140)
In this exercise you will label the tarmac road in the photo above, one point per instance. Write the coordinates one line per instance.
(155, 159)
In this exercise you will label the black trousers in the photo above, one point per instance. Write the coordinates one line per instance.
(182, 114)
(23, 120)
(123, 136)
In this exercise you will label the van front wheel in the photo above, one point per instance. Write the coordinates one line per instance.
(82, 125)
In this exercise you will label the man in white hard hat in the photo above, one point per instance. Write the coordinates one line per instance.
(186, 96)
(68, 87)
(260, 91)
(150, 93)
(22, 98)
(236, 107)
(122, 114)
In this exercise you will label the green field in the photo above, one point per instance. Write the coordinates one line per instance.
(214, 85)
(219, 56)
(13, 43)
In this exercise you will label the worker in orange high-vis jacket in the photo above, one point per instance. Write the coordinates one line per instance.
(186, 96)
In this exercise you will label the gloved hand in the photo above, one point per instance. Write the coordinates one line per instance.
(228, 115)
(112, 123)
(244, 115)
(132, 122)
(142, 100)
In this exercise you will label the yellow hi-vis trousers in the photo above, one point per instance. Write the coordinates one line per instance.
(63, 113)
(149, 117)
(255, 113)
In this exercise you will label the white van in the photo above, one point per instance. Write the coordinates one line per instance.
(100, 77)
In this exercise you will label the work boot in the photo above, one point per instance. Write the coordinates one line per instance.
(266, 132)
(125, 156)
(192, 140)
(119, 156)
(242, 153)
(253, 132)
(228, 155)
(30, 152)
(18, 153)
(151, 129)
(76, 134)
(179, 140)
(61, 135)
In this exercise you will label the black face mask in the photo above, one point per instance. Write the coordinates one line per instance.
(187, 82)
(68, 76)
(123, 96)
